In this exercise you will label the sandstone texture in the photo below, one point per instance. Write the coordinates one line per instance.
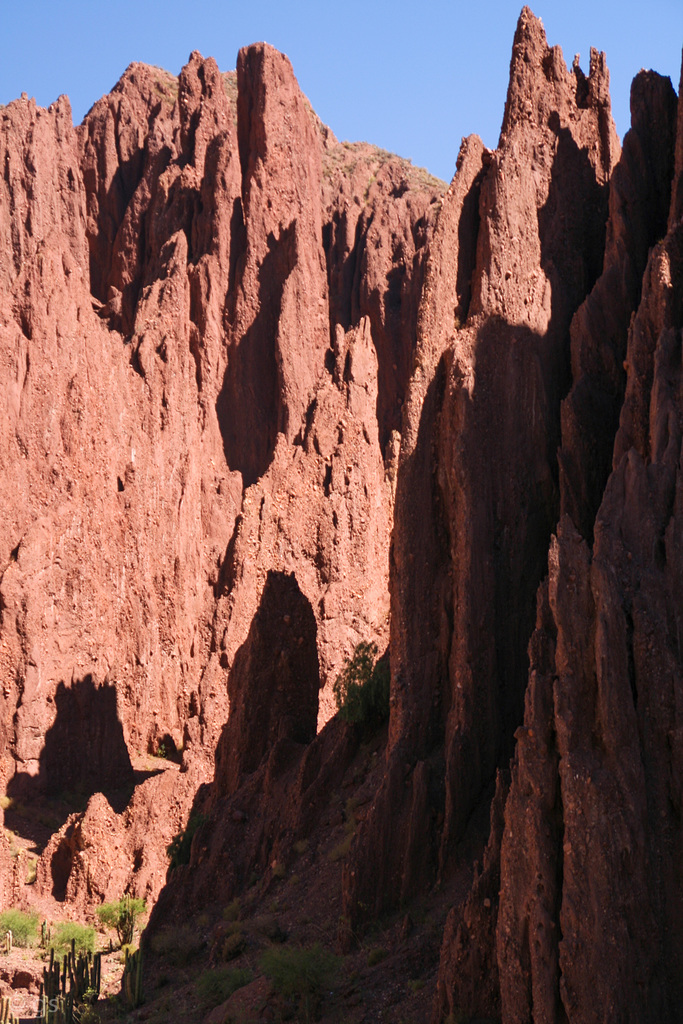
(268, 395)
(190, 407)
(518, 244)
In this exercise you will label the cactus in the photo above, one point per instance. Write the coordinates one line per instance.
(6, 1015)
(84, 973)
(49, 991)
(8, 941)
(131, 982)
(45, 934)
(60, 1010)
(96, 973)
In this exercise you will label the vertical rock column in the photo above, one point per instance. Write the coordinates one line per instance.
(591, 910)
(458, 648)
(279, 316)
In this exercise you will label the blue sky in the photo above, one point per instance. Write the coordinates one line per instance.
(411, 77)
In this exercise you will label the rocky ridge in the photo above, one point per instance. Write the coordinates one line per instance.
(268, 395)
(190, 409)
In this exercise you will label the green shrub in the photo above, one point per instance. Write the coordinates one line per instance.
(375, 956)
(232, 911)
(217, 985)
(24, 927)
(340, 851)
(122, 916)
(300, 973)
(31, 870)
(87, 1015)
(179, 848)
(362, 688)
(82, 934)
(233, 946)
(267, 925)
(177, 945)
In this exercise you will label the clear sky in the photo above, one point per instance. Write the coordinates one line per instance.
(412, 77)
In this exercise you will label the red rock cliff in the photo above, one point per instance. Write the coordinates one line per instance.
(268, 395)
(190, 406)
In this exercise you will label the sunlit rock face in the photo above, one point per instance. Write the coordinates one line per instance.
(207, 308)
(267, 395)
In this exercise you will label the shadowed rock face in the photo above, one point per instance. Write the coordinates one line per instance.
(273, 685)
(639, 205)
(84, 749)
(477, 492)
(589, 919)
(266, 395)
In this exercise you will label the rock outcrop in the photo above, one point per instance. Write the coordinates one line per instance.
(588, 924)
(604, 721)
(518, 244)
(267, 395)
(192, 345)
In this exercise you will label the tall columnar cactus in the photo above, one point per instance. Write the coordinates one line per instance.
(6, 1015)
(96, 973)
(56, 1005)
(49, 991)
(85, 974)
(131, 982)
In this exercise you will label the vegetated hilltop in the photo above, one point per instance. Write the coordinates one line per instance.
(269, 395)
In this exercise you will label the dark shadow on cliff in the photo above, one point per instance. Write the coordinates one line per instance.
(274, 775)
(640, 195)
(484, 476)
(84, 753)
(392, 308)
(273, 684)
(571, 227)
(476, 503)
(250, 407)
(111, 260)
(113, 205)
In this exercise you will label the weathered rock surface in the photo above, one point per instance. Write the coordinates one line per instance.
(639, 205)
(477, 493)
(273, 684)
(267, 395)
(187, 412)
(590, 908)
(99, 853)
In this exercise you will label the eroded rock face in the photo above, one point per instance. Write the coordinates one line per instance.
(639, 204)
(480, 434)
(273, 685)
(268, 395)
(608, 716)
(588, 925)
(186, 412)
